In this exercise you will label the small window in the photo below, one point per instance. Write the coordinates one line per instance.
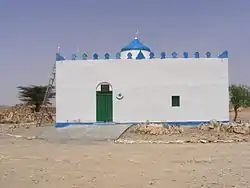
(105, 87)
(175, 101)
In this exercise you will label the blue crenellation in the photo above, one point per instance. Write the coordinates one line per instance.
(162, 55)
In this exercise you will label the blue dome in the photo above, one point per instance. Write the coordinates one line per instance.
(136, 45)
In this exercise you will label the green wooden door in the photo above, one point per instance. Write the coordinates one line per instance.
(104, 106)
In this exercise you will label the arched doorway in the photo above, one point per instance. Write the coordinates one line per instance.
(104, 102)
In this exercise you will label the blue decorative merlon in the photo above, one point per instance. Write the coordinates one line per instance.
(118, 55)
(140, 56)
(223, 55)
(196, 55)
(174, 54)
(163, 55)
(59, 57)
(84, 56)
(185, 54)
(151, 55)
(95, 56)
(73, 57)
(130, 56)
(208, 54)
(106, 56)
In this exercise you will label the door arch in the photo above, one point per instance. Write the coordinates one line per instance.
(104, 102)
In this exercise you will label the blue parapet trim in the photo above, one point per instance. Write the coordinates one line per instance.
(163, 55)
(174, 55)
(208, 54)
(140, 56)
(196, 55)
(129, 55)
(185, 54)
(106, 56)
(59, 57)
(95, 56)
(151, 55)
(181, 123)
(223, 55)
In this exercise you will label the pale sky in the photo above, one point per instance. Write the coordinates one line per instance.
(30, 31)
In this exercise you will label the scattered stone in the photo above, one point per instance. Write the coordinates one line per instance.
(203, 141)
(123, 141)
(20, 136)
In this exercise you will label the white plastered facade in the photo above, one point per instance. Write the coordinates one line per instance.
(147, 87)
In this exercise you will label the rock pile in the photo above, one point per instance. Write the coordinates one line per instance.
(237, 128)
(212, 132)
(24, 114)
(212, 126)
(156, 129)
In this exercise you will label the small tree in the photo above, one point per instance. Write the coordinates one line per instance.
(34, 95)
(239, 97)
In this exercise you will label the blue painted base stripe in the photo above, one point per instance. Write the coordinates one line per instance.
(184, 123)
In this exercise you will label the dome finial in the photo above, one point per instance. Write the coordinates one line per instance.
(58, 48)
(137, 34)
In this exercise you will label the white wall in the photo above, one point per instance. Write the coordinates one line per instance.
(124, 54)
(147, 86)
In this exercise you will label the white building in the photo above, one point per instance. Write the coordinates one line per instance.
(136, 87)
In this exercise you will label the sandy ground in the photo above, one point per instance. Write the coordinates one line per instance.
(34, 163)
(39, 163)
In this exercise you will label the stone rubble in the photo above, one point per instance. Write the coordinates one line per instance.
(162, 129)
(21, 113)
(236, 128)
(212, 132)
(156, 129)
